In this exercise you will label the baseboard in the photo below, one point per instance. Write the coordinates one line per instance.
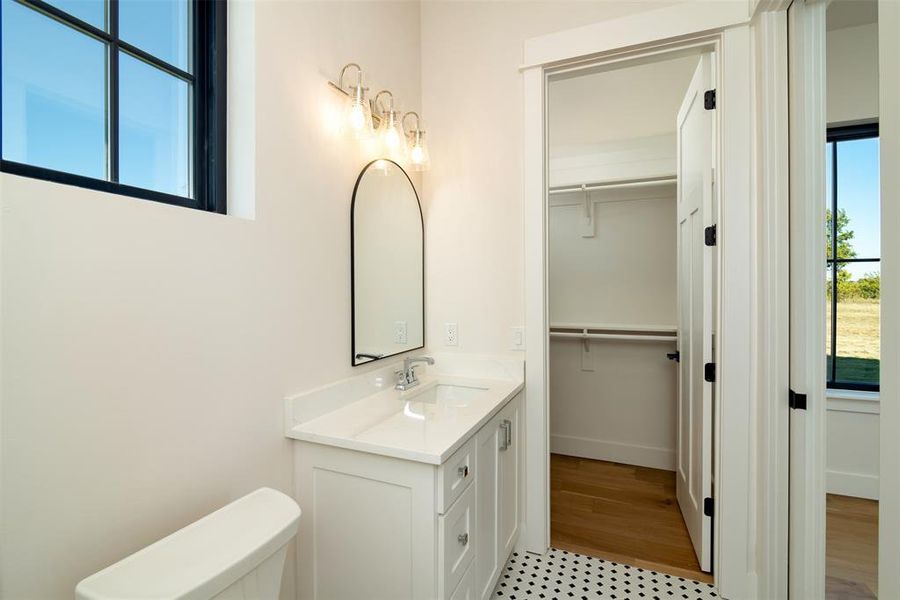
(629, 454)
(851, 484)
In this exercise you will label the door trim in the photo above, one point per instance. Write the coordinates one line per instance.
(889, 132)
(736, 466)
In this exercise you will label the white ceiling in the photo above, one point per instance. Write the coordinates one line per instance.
(634, 102)
(850, 13)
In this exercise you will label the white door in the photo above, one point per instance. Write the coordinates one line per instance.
(487, 562)
(695, 304)
(508, 471)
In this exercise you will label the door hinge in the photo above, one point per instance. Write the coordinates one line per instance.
(708, 506)
(709, 100)
(796, 400)
(709, 372)
(710, 235)
(676, 356)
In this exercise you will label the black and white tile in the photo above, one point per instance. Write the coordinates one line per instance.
(561, 575)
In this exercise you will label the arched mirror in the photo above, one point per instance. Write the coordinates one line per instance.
(388, 253)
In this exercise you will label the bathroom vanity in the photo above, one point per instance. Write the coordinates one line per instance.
(409, 494)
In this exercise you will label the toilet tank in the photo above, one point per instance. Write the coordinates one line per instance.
(236, 552)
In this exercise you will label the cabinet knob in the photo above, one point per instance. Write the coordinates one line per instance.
(463, 471)
(463, 538)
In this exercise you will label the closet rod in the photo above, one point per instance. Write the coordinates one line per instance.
(567, 189)
(616, 327)
(614, 336)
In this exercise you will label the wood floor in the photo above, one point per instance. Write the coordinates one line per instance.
(630, 515)
(851, 548)
(621, 513)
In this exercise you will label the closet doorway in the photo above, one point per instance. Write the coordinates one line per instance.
(632, 290)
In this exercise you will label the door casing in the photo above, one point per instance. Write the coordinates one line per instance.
(724, 27)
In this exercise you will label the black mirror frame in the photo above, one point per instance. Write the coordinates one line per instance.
(353, 352)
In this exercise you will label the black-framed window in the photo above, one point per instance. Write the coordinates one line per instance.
(853, 257)
(122, 96)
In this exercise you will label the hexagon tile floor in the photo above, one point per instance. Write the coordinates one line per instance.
(562, 575)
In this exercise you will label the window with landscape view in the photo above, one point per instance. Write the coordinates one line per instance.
(853, 252)
(122, 96)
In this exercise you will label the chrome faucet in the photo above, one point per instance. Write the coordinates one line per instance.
(406, 377)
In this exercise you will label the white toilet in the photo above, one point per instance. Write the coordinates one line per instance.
(235, 553)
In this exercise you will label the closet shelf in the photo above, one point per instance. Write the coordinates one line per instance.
(643, 333)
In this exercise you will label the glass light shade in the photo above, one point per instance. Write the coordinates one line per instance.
(418, 151)
(357, 119)
(390, 133)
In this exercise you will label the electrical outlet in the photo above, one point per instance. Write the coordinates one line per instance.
(517, 339)
(451, 334)
(400, 336)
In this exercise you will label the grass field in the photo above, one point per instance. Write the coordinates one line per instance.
(858, 340)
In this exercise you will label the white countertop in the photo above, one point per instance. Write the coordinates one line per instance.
(425, 424)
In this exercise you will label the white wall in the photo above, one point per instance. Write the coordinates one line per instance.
(617, 103)
(852, 435)
(852, 425)
(147, 349)
(852, 74)
(472, 105)
(616, 400)
(626, 273)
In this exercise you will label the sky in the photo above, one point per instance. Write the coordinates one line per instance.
(55, 93)
(859, 196)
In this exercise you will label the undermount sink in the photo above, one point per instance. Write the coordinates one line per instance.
(446, 393)
(438, 400)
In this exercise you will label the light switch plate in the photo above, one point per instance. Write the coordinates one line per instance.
(451, 334)
(400, 336)
(517, 338)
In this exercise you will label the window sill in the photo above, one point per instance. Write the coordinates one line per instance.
(853, 401)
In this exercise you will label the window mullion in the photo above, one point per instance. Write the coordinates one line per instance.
(114, 91)
(834, 256)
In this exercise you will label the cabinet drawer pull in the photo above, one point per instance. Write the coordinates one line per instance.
(463, 471)
(463, 538)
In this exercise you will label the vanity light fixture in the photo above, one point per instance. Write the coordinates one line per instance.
(390, 131)
(418, 151)
(357, 115)
(364, 119)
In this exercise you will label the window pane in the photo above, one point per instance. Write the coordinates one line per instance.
(154, 134)
(859, 215)
(858, 336)
(89, 11)
(54, 98)
(159, 27)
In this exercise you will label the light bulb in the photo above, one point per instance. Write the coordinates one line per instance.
(357, 120)
(418, 153)
(357, 117)
(391, 136)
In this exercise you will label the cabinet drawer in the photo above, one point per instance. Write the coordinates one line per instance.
(457, 540)
(455, 475)
(466, 588)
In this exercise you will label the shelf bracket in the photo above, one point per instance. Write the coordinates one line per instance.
(586, 227)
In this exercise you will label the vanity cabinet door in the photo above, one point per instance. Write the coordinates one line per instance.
(487, 562)
(510, 455)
